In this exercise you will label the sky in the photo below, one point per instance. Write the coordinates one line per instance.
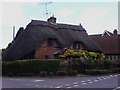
(95, 16)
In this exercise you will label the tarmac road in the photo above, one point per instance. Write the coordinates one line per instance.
(105, 81)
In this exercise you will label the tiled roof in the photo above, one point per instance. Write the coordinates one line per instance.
(109, 44)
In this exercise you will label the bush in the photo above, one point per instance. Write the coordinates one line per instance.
(51, 73)
(52, 67)
(31, 67)
(72, 72)
(102, 72)
(108, 64)
(96, 72)
(61, 73)
(43, 73)
(115, 70)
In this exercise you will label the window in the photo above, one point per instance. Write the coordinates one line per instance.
(50, 42)
(76, 46)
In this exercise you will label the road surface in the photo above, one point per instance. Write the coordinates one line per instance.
(105, 81)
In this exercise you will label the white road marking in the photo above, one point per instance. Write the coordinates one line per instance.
(115, 75)
(38, 80)
(17, 79)
(95, 80)
(36, 85)
(88, 80)
(107, 77)
(99, 78)
(117, 88)
(59, 87)
(67, 85)
(104, 78)
(75, 82)
(75, 85)
(11, 79)
(111, 75)
(83, 83)
(44, 86)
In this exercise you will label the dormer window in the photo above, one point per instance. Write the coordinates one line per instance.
(76, 45)
(50, 42)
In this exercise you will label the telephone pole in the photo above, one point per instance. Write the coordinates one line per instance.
(13, 32)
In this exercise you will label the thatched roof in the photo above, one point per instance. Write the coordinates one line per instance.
(37, 32)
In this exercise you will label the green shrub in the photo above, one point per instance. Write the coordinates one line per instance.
(72, 73)
(43, 73)
(115, 70)
(108, 64)
(96, 72)
(51, 73)
(61, 73)
(29, 67)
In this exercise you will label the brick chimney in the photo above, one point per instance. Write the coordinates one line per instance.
(52, 20)
(115, 32)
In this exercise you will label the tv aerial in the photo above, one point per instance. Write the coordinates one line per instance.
(46, 9)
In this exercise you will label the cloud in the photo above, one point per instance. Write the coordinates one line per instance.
(12, 14)
(96, 13)
(93, 19)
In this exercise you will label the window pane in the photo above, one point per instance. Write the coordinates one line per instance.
(76, 46)
(50, 44)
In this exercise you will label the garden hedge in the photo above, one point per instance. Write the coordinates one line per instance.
(29, 67)
(53, 67)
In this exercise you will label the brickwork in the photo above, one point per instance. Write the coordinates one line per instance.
(45, 50)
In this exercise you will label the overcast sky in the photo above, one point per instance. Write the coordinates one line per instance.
(95, 16)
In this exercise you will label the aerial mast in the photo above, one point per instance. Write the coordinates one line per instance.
(46, 9)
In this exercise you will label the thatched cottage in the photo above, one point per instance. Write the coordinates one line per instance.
(48, 39)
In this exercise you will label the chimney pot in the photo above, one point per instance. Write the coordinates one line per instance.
(52, 20)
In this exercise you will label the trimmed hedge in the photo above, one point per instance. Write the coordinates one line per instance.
(53, 67)
(29, 67)
(102, 72)
(96, 72)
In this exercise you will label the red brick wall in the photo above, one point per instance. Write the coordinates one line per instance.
(45, 50)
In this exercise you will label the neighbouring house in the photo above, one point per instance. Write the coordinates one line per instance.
(48, 39)
(109, 42)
